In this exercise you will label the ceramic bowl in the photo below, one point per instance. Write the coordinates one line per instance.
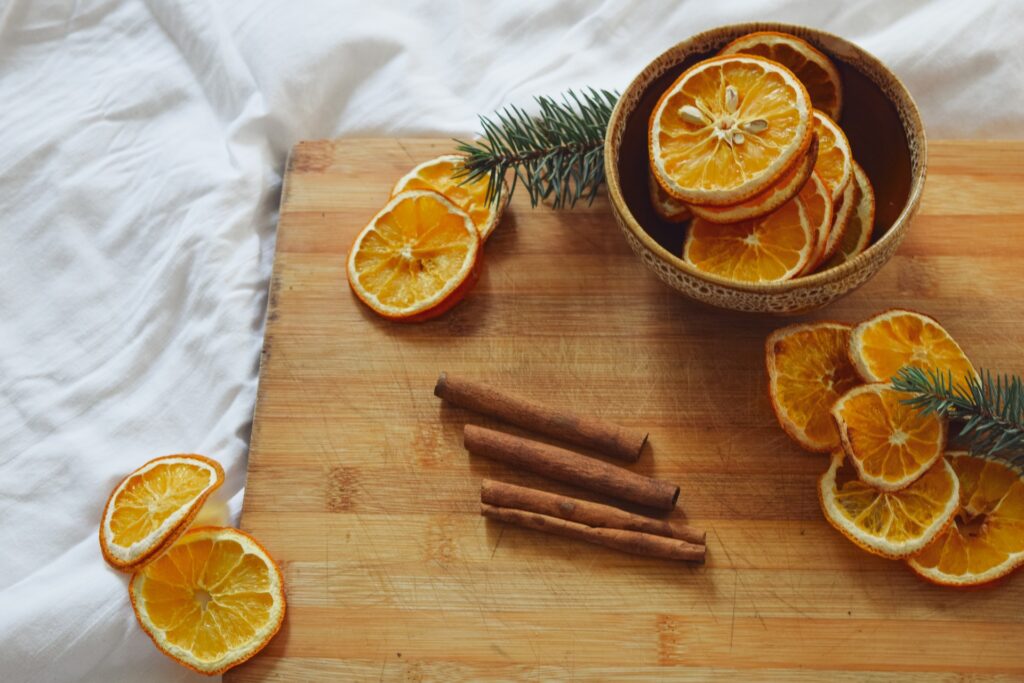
(879, 118)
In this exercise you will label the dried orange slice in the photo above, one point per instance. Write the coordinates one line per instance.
(986, 540)
(835, 158)
(840, 222)
(153, 506)
(895, 524)
(808, 370)
(857, 235)
(665, 205)
(818, 202)
(212, 601)
(765, 202)
(439, 175)
(816, 71)
(417, 257)
(889, 442)
(881, 345)
(767, 249)
(728, 128)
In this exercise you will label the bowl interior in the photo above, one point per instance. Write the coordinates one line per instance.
(869, 119)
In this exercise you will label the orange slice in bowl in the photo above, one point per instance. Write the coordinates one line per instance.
(665, 205)
(416, 258)
(212, 601)
(818, 202)
(816, 71)
(891, 524)
(440, 175)
(881, 345)
(727, 129)
(835, 158)
(986, 540)
(765, 202)
(889, 442)
(840, 221)
(153, 506)
(767, 249)
(857, 235)
(808, 370)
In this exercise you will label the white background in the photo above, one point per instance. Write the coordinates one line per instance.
(141, 147)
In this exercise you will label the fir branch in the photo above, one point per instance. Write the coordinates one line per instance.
(558, 154)
(991, 408)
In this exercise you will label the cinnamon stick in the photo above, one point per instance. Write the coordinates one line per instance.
(500, 494)
(635, 542)
(573, 468)
(565, 425)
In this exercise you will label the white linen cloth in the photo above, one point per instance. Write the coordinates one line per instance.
(141, 151)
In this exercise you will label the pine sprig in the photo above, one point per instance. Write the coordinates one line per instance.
(991, 407)
(557, 154)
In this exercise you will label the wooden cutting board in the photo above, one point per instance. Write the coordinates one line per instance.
(359, 485)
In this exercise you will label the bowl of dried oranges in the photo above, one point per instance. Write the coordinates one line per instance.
(765, 167)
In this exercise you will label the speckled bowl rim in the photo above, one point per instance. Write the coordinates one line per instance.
(836, 274)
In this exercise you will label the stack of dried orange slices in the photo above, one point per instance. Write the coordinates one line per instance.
(209, 597)
(747, 143)
(891, 487)
(421, 253)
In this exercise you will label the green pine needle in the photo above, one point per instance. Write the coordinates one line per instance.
(990, 408)
(557, 154)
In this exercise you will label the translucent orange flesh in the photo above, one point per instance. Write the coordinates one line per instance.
(470, 197)
(694, 157)
(833, 160)
(894, 517)
(892, 441)
(413, 252)
(209, 597)
(988, 533)
(892, 342)
(764, 249)
(817, 80)
(812, 369)
(149, 498)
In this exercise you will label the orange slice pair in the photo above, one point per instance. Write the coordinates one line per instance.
(421, 254)
(209, 597)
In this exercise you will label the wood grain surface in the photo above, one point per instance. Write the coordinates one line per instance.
(359, 485)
